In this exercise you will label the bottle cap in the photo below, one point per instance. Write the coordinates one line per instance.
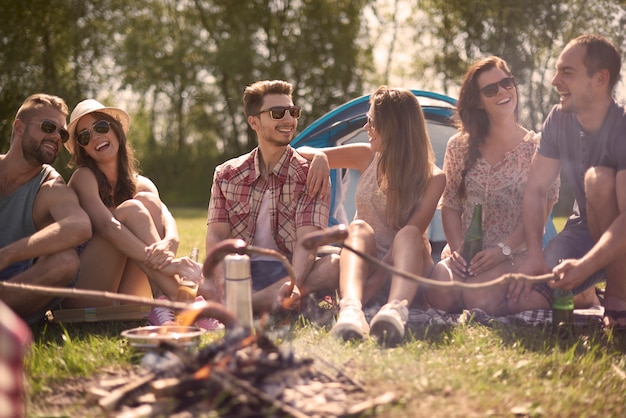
(237, 267)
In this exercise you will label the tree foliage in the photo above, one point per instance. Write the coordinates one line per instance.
(527, 34)
(180, 66)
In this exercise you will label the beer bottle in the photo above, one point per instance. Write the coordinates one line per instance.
(562, 312)
(473, 242)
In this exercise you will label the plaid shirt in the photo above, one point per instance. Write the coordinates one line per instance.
(238, 188)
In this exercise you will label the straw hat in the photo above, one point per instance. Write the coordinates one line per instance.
(89, 106)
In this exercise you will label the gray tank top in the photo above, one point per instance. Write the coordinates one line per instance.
(16, 209)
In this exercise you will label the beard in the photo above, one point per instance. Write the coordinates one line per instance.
(34, 152)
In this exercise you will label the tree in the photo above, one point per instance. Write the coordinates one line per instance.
(528, 35)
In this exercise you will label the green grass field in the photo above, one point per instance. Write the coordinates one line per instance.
(448, 371)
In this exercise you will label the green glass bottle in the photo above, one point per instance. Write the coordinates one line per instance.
(473, 242)
(562, 311)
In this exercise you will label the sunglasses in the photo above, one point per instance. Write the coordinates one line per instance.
(491, 90)
(370, 121)
(49, 127)
(278, 112)
(100, 127)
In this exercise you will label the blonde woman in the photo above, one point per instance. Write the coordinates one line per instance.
(396, 198)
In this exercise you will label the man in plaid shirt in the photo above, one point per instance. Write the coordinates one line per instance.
(262, 198)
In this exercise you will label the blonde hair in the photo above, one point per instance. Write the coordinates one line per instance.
(406, 155)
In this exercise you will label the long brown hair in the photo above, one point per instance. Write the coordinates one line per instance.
(471, 119)
(126, 185)
(406, 155)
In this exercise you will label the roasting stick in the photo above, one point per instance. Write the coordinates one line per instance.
(218, 311)
(505, 278)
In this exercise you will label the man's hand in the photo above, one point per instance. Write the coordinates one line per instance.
(534, 265)
(571, 273)
(318, 179)
(289, 301)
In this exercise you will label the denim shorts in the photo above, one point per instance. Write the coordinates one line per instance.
(15, 269)
(574, 241)
(21, 266)
(265, 273)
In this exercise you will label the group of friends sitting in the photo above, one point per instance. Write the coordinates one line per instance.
(108, 230)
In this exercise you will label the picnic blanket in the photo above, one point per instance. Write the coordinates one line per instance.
(582, 317)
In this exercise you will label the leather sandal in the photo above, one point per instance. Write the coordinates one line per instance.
(615, 315)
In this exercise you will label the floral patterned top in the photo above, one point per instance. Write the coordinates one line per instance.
(499, 188)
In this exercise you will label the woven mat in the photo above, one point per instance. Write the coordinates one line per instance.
(582, 317)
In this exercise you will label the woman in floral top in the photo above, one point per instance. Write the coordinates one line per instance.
(486, 162)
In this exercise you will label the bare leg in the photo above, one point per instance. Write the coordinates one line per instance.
(410, 254)
(493, 300)
(606, 207)
(447, 299)
(353, 270)
(104, 267)
(51, 270)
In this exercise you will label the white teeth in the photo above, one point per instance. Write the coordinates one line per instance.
(504, 101)
(101, 145)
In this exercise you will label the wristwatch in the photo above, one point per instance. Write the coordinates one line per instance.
(506, 250)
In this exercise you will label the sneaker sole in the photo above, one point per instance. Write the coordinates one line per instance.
(347, 333)
(386, 332)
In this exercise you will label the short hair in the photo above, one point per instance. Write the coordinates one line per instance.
(253, 94)
(38, 101)
(600, 54)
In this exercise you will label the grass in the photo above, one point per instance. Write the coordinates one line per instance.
(462, 371)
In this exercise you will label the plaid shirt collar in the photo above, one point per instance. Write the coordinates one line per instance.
(280, 170)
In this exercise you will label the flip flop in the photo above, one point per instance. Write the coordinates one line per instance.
(615, 315)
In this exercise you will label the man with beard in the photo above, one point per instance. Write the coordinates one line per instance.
(41, 221)
(584, 137)
(262, 198)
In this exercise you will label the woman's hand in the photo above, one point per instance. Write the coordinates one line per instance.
(318, 179)
(185, 268)
(160, 254)
(486, 260)
(457, 264)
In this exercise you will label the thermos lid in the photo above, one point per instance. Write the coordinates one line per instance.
(237, 267)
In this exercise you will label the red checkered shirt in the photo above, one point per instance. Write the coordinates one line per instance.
(238, 188)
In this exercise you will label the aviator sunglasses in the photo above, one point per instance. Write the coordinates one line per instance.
(84, 136)
(49, 127)
(278, 112)
(491, 90)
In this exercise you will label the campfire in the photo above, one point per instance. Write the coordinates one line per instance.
(241, 375)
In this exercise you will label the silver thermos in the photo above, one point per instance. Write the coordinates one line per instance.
(239, 287)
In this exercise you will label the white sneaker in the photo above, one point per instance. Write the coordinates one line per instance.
(351, 323)
(387, 326)
(160, 315)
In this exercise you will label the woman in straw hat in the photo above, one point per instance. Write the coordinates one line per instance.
(135, 237)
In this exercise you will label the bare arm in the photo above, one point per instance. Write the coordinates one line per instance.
(353, 156)
(425, 211)
(610, 246)
(535, 205)
(160, 253)
(61, 223)
(543, 172)
(104, 222)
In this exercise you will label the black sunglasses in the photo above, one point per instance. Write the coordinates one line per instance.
(278, 112)
(491, 90)
(49, 127)
(84, 136)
